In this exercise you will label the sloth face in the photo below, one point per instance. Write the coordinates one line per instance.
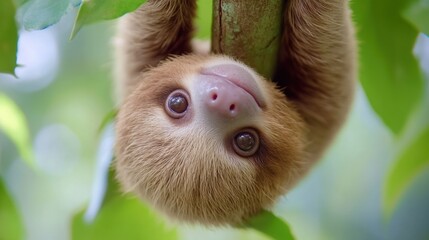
(205, 139)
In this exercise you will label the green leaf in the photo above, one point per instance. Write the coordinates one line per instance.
(92, 11)
(40, 14)
(105, 156)
(389, 73)
(19, 2)
(8, 37)
(418, 15)
(14, 125)
(409, 164)
(75, 3)
(204, 19)
(122, 217)
(269, 224)
(10, 221)
(109, 118)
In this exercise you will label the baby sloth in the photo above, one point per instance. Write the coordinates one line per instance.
(203, 138)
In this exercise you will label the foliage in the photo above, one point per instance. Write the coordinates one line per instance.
(10, 222)
(125, 217)
(109, 118)
(389, 73)
(267, 223)
(204, 20)
(15, 127)
(8, 37)
(417, 15)
(40, 14)
(122, 217)
(97, 10)
(409, 164)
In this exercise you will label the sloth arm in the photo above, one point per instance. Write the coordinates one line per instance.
(156, 30)
(316, 67)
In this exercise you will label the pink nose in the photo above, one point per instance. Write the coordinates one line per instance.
(224, 99)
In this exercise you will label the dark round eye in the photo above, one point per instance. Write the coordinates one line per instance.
(246, 142)
(177, 104)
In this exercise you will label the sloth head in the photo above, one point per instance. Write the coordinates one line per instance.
(205, 139)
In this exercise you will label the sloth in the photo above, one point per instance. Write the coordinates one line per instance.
(205, 139)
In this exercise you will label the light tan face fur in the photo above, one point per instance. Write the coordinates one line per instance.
(186, 167)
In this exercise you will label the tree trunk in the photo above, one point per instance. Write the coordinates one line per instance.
(248, 30)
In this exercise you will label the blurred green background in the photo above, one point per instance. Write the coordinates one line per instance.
(362, 189)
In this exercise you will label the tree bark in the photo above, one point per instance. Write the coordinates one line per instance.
(248, 30)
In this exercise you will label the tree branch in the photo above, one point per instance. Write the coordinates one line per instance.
(248, 30)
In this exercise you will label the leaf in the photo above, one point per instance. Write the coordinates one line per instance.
(122, 217)
(14, 125)
(108, 118)
(8, 37)
(10, 222)
(105, 155)
(418, 15)
(40, 14)
(75, 3)
(409, 164)
(389, 73)
(92, 11)
(269, 224)
(19, 2)
(204, 19)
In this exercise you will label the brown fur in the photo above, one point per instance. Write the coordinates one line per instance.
(180, 167)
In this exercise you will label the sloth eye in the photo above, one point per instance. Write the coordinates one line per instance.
(177, 104)
(246, 142)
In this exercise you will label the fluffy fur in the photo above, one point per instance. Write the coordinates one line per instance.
(181, 167)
